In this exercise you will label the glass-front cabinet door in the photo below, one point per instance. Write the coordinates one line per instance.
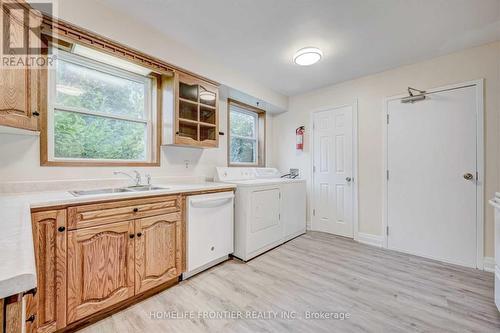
(196, 117)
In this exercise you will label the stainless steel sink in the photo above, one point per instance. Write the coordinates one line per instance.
(99, 191)
(140, 188)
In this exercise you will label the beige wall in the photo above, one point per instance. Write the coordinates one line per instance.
(471, 64)
(20, 154)
(21, 162)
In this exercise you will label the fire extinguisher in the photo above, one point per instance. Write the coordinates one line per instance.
(299, 136)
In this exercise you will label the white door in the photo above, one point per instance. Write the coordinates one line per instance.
(333, 171)
(431, 202)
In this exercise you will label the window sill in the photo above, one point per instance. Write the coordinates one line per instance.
(98, 164)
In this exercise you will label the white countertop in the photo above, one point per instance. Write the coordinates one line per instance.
(17, 260)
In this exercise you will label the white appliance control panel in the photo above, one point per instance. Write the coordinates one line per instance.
(227, 174)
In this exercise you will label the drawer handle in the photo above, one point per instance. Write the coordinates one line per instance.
(139, 234)
(136, 210)
(61, 229)
(31, 319)
(131, 235)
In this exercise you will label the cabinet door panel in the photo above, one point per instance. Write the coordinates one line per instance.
(158, 250)
(50, 255)
(18, 86)
(100, 268)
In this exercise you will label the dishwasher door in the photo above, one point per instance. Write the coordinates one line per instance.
(210, 225)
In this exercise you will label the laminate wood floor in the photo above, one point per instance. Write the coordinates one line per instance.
(320, 275)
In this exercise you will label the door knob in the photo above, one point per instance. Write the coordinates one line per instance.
(468, 176)
(348, 179)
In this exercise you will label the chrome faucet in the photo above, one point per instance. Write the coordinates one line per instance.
(137, 179)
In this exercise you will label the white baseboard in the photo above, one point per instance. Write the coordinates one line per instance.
(489, 264)
(370, 239)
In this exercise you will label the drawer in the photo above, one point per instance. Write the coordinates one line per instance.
(102, 213)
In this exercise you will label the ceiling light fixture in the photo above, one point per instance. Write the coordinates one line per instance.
(307, 56)
(207, 96)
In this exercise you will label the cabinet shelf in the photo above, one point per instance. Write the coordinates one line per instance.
(194, 120)
(188, 101)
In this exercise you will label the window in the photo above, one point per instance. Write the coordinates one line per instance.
(99, 113)
(246, 135)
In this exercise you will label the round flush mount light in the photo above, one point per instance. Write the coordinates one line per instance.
(307, 56)
(207, 96)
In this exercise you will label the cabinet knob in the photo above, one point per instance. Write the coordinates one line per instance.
(31, 319)
(36, 113)
(61, 229)
(139, 234)
(212, 248)
(131, 235)
(136, 210)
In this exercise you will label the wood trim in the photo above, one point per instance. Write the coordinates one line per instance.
(67, 31)
(43, 102)
(156, 139)
(262, 118)
(245, 106)
(2, 317)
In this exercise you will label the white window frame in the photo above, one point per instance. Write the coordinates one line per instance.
(150, 107)
(258, 137)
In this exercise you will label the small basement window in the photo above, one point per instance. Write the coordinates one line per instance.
(246, 139)
(101, 110)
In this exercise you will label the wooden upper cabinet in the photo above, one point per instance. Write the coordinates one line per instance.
(193, 121)
(20, 93)
(158, 250)
(100, 268)
(48, 306)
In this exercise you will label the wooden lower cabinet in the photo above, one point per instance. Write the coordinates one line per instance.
(158, 250)
(100, 268)
(84, 271)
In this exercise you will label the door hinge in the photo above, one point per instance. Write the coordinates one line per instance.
(314, 125)
(477, 176)
(387, 172)
(314, 212)
(314, 168)
(279, 195)
(387, 230)
(387, 119)
(279, 216)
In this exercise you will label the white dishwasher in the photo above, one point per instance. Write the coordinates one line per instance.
(210, 225)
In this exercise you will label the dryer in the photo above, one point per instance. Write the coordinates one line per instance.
(269, 210)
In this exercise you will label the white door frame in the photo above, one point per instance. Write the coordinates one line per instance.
(479, 160)
(354, 106)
